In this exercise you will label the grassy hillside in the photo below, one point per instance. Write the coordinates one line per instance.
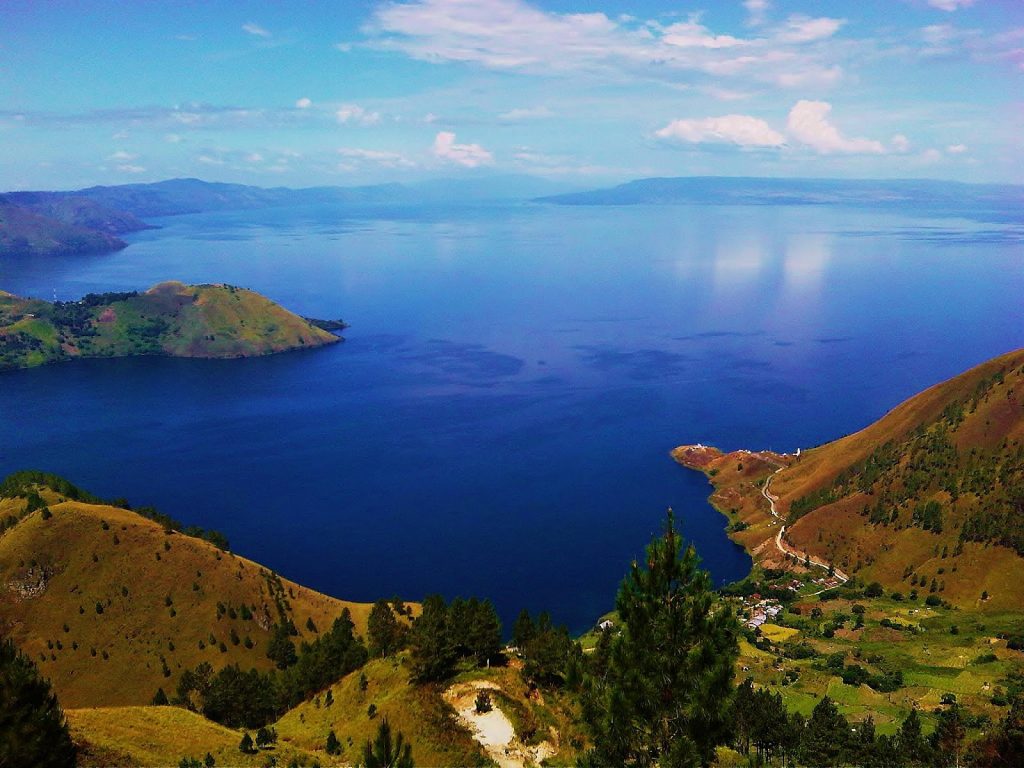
(148, 736)
(28, 232)
(112, 605)
(930, 497)
(169, 319)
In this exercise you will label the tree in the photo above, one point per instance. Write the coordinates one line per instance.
(433, 648)
(950, 733)
(265, 737)
(245, 746)
(483, 634)
(522, 630)
(280, 649)
(385, 751)
(483, 702)
(910, 741)
(33, 730)
(160, 698)
(385, 633)
(333, 746)
(824, 738)
(666, 696)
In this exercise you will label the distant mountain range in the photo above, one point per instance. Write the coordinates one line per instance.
(998, 202)
(90, 220)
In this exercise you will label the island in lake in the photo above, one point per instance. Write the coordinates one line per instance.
(171, 319)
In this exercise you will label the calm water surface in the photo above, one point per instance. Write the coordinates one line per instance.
(498, 422)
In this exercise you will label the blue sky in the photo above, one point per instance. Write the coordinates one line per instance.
(585, 93)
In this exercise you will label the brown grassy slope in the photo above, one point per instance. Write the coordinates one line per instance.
(839, 532)
(419, 712)
(149, 736)
(54, 573)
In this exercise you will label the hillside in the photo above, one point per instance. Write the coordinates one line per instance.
(28, 232)
(929, 498)
(174, 319)
(987, 201)
(112, 605)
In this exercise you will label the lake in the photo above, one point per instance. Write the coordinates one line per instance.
(499, 419)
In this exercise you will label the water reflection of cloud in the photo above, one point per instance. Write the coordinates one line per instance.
(737, 262)
(807, 257)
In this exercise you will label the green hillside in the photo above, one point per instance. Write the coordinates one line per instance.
(216, 321)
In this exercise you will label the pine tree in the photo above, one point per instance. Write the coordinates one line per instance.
(950, 733)
(666, 696)
(523, 630)
(484, 632)
(384, 631)
(433, 649)
(824, 738)
(33, 731)
(245, 746)
(385, 752)
(333, 746)
(160, 698)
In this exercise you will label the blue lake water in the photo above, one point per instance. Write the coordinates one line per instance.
(499, 420)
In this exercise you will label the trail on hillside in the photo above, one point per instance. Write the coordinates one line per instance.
(493, 730)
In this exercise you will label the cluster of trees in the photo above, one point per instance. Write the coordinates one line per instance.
(550, 657)
(446, 633)
(827, 738)
(251, 699)
(33, 731)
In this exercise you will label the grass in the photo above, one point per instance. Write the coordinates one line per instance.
(419, 712)
(215, 321)
(148, 736)
(111, 607)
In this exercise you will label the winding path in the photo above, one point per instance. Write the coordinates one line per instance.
(785, 548)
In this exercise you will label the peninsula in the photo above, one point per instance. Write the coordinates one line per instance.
(170, 319)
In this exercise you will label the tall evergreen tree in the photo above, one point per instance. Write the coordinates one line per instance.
(483, 634)
(33, 731)
(385, 751)
(824, 739)
(950, 734)
(384, 632)
(433, 648)
(522, 630)
(666, 696)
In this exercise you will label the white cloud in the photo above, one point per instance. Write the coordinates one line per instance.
(950, 5)
(900, 143)
(803, 29)
(303, 103)
(690, 34)
(527, 113)
(120, 135)
(469, 155)
(757, 11)
(172, 138)
(210, 160)
(956, 149)
(255, 29)
(931, 156)
(376, 156)
(808, 123)
(518, 35)
(741, 130)
(353, 113)
(725, 94)
(254, 157)
(127, 168)
(123, 157)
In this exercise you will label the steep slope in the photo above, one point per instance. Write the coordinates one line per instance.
(930, 497)
(172, 318)
(112, 605)
(27, 232)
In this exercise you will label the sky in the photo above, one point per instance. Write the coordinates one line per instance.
(581, 92)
